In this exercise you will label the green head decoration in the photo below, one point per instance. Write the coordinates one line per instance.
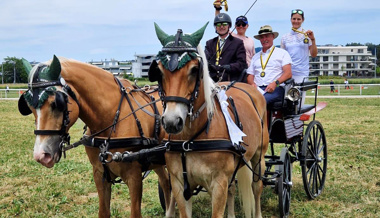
(178, 49)
(37, 95)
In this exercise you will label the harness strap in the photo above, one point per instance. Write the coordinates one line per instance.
(236, 115)
(187, 191)
(205, 145)
(119, 142)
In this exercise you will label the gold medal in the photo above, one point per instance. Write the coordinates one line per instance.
(305, 40)
(263, 66)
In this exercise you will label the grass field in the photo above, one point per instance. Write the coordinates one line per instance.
(352, 189)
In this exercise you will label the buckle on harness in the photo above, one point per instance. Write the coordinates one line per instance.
(188, 146)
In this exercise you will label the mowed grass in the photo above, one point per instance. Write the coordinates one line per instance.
(352, 127)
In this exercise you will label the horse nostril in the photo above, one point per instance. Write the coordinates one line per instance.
(163, 121)
(180, 122)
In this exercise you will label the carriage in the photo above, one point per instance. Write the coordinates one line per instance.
(304, 142)
(192, 98)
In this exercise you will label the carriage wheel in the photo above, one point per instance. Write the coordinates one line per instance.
(162, 197)
(284, 182)
(314, 168)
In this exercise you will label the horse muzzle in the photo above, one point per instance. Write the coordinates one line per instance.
(174, 117)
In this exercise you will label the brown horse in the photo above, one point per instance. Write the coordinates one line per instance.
(200, 151)
(66, 90)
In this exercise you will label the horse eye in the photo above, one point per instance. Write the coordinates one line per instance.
(53, 106)
(194, 71)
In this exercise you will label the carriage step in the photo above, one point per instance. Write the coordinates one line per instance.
(273, 162)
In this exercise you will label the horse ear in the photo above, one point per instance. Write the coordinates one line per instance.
(161, 35)
(28, 67)
(23, 107)
(54, 69)
(198, 35)
(154, 72)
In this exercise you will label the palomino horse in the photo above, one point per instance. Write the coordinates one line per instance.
(66, 90)
(199, 143)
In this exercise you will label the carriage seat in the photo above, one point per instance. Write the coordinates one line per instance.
(279, 105)
(283, 104)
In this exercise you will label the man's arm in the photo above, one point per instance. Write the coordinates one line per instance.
(218, 6)
(240, 62)
(286, 74)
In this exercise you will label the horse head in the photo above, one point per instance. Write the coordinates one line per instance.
(52, 103)
(181, 71)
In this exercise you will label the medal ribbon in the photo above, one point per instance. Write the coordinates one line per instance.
(266, 62)
(297, 31)
(218, 52)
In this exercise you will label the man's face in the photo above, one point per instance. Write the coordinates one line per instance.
(222, 28)
(267, 40)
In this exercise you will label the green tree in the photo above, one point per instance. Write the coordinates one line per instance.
(9, 67)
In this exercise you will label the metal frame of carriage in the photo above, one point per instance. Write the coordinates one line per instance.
(304, 142)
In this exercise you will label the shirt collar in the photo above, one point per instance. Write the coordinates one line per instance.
(220, 39)
(267, 52)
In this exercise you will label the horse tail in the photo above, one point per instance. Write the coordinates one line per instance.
(245, 177)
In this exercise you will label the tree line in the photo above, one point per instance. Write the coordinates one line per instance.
(11, 66)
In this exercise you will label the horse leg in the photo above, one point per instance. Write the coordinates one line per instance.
(257, 184)
(219, 194)
(104, 193)
(163, 179)
(184, 207)
(231, 200)
(133, 178)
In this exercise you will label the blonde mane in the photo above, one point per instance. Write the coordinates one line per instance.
(208, 84)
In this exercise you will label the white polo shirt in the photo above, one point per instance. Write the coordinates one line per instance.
(273, 69)
(293, 43)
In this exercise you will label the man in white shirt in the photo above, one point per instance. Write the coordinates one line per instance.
(270, 67)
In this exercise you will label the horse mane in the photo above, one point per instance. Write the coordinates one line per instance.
(208, 84)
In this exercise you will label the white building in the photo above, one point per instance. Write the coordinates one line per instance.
(343, 61)
(114, 66)
(141, 66)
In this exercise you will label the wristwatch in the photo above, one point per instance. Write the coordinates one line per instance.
(277, 83)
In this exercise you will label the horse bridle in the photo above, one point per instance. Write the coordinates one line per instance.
(174, 51)
(62, 99)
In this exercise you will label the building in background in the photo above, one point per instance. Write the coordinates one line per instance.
(114, 66)
(138, 67)
(141, 65)
(351, 61)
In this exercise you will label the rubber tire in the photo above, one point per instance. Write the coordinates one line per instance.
(285, 183)
(314, 168)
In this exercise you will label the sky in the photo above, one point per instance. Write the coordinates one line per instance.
(94, 30)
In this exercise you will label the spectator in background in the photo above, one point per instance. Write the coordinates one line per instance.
(332, 87)
(346, 86)
(7, 88)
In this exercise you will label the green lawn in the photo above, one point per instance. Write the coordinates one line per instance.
(352, 189)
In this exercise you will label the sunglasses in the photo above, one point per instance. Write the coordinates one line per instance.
(221, 24)
(241, 24)
(297, 12)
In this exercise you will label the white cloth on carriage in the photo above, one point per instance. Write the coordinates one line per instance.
(236, 135)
